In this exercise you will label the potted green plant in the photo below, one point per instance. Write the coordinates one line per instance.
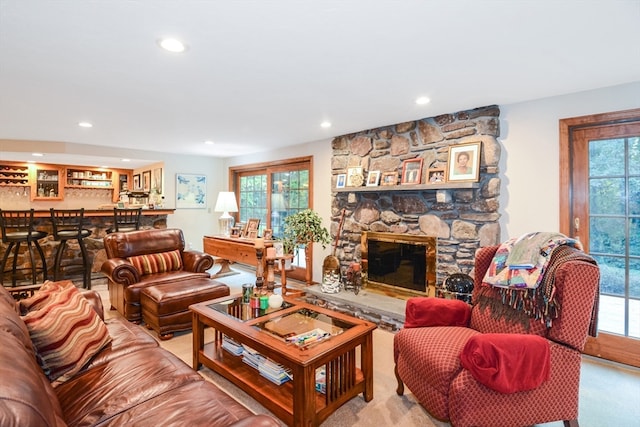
(303, 229)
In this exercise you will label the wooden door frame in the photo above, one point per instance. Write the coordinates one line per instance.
(606, 345)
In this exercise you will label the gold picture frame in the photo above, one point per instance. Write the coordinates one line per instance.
(389, 178)
(464, 162)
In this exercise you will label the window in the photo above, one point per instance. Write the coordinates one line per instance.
(272, 191)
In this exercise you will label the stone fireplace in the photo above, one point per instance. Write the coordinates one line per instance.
(461, 216)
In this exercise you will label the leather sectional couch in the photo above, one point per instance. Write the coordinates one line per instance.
(130, 381)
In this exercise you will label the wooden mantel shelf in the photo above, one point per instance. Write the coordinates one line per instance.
(411, 187)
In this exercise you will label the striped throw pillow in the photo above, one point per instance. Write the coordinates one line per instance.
(158, 262)
(66, 332)
(41, 297)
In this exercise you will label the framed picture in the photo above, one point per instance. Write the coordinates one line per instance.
(251, 229)
(341, 182)
(191, 191)
(464, 162)
(267, 234)
(137, 185)
(373, 179)
(235, 232)
(389, 178)
(355, 177)
(435, 176)
(412, 171)
(240, 226)
(146, 181)
(156, 180)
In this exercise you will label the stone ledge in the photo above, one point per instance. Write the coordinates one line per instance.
(387, 312)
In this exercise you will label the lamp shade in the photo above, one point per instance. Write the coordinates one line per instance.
(226, 202)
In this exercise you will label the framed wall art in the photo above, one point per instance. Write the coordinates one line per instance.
(191, 191)
(436, 176)
(156, 180)
(373, 179)
(137, 185)
(389, 178)
(412, 171)
(464, 162)
(146, 181)
(355, 177)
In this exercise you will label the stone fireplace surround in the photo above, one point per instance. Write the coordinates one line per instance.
(461, 217)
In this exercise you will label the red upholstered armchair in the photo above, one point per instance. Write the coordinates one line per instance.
(455, 372)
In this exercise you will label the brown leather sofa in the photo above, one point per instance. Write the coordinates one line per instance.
(126, 280)
(129, 382)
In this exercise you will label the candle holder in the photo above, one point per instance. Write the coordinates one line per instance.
(271, 281)
(259, 270)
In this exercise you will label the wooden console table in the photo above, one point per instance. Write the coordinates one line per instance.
(233, 249)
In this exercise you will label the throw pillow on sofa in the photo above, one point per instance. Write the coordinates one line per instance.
(157, 263)
(66, 331)
(40, 298)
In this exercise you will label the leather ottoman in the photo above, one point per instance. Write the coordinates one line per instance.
(165, 307)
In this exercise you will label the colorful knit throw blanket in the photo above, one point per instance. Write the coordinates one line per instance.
(521, 262)
(530, 293)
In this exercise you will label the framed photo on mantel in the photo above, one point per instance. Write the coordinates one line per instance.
(464, 162)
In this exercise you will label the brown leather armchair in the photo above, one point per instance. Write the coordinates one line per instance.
(429, 359)
(138, 259)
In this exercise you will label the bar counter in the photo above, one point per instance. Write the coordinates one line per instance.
(96, 220)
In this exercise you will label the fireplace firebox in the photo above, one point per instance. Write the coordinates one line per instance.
(399, 265)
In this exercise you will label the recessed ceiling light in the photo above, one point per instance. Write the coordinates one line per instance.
(85, 125)
(422, 100)
(172, 45)
(209, 142)
(325, 124)
(126, 160)
(37, 154)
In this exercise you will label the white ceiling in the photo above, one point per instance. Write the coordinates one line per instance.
(260, 74)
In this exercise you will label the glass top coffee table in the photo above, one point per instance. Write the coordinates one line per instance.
(298, 360)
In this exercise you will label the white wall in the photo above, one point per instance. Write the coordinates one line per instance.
(195, 223)
(529, 199)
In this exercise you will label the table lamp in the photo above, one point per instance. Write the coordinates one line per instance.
(226, 203)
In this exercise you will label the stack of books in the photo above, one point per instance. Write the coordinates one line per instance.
(321, 380)
(274, 372)
(269, 369)
(232, 346)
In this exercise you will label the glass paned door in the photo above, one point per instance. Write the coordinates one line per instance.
(290, 194)
(600, 205)
(253, 199)
(614, 231)
(272, 191)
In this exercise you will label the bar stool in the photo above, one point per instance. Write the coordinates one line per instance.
(67, 225)
(18, 227)
(125, 220)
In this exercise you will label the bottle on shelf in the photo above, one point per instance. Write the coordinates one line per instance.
(41, 191)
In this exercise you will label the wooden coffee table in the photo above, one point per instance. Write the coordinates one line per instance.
(296, 402)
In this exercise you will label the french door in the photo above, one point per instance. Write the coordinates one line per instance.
(600, 205)
(272, 191)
